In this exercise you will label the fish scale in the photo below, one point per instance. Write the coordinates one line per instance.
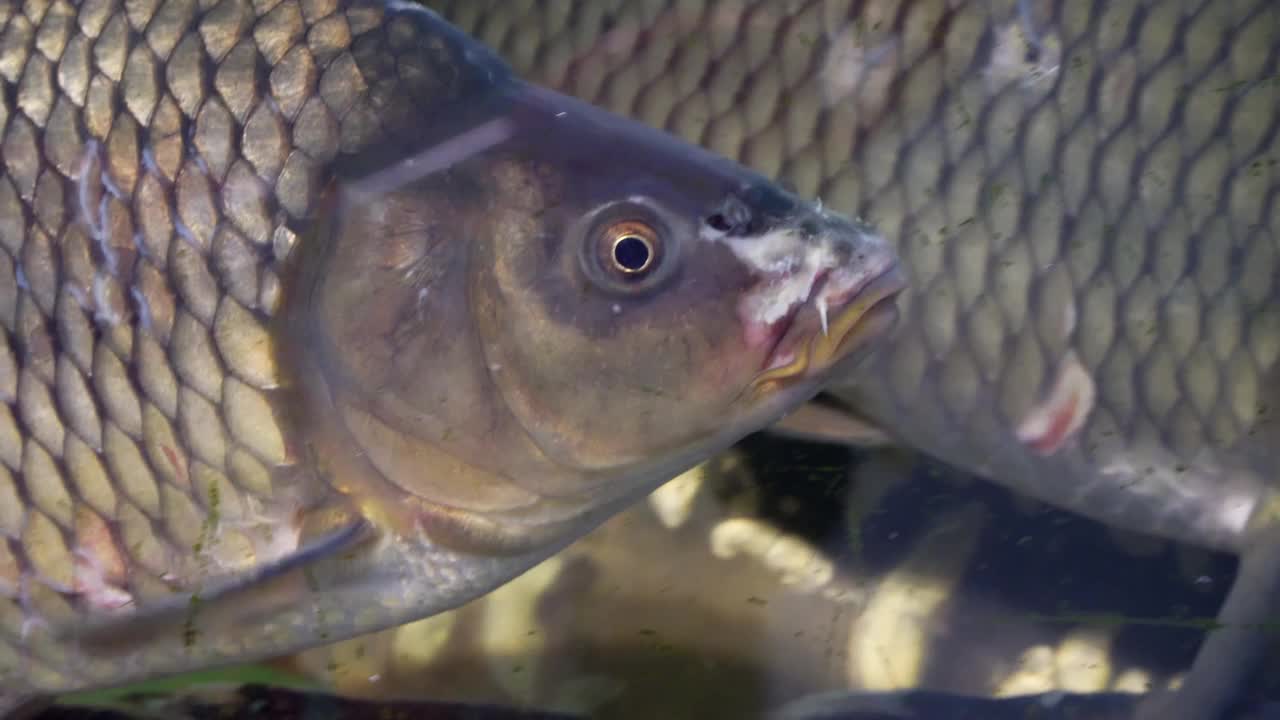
(195, 433)
(1084, 194)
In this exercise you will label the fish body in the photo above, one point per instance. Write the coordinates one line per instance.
(1085, 198)
(313, 314)
(1082, 195)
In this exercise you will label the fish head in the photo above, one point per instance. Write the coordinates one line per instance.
(569, 308)
(647, 295)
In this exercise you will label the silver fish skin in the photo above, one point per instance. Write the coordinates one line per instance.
(1085, 197)
(311, 311)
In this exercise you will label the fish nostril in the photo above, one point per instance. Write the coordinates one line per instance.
(733, 217)
(719, 223)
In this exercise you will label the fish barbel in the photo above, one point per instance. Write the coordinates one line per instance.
(317, 320)
(1084, 195)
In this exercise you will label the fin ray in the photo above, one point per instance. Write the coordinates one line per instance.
(233, 596)
(821, 422)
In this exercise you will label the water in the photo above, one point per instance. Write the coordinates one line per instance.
(787, 568)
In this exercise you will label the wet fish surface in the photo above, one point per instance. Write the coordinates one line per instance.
(317, 320)
(1085, 199)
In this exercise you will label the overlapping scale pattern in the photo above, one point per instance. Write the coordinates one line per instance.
(153, 155)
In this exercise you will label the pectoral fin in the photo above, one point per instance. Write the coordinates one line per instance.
(822, 422)
(232, 601)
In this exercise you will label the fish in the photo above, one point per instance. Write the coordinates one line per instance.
(318, 319)
(1084, 196)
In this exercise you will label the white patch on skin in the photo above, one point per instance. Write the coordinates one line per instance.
(1009, 57)
(272, 536)
(92, 585)
(793, 264)
(848, 61)
(1048, 426)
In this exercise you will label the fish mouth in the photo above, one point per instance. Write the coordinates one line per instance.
(813, 339)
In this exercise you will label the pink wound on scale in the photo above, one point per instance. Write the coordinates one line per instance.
(1048, 426)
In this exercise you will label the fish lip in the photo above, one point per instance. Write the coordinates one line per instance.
(863, 311)
(865, 305)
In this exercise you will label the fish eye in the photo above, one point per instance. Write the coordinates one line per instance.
(631, 249)
(628, 247)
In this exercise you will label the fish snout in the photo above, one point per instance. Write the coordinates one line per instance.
(825, 289)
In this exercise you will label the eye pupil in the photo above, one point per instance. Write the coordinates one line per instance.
(627, 252)
(631, 253)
